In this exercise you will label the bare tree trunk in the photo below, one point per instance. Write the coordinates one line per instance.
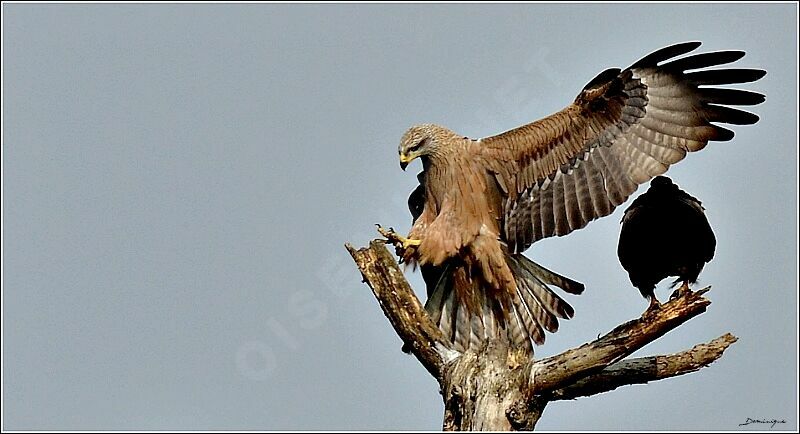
(495, 388)
(482, 387)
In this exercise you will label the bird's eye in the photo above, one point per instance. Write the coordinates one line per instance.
(417, 145)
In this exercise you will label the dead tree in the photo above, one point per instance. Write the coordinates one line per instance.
(499, 389)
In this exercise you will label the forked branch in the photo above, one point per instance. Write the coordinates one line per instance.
(520, 391)
(566, 368)
(646, 369)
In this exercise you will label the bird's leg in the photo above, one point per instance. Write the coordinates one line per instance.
(397, 239)
(408, 242)
(654, 305)
(681, 291)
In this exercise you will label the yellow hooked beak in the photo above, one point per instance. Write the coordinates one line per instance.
(405, 159)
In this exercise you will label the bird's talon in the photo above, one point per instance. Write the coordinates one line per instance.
(388, 234)
(681, 291)
(654, 307)
(397, 239)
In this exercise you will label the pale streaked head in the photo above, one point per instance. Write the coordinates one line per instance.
(418, 141)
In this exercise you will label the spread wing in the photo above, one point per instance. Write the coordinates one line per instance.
(624, 128)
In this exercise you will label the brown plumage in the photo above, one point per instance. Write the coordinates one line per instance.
(482, 202)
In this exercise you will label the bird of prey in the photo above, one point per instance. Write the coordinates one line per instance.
(481, 202)
(664, 233)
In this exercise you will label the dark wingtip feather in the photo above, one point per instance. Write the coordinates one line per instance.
(665, 53)
(722, 134)
(731, 96)
(704, 60)
(728, 115)
(602, 78)
(725, 76)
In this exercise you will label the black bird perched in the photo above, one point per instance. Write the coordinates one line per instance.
(664, 233)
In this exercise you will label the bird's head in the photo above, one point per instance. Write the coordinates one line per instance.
(419, 141)
(661, 181)
(662, 184)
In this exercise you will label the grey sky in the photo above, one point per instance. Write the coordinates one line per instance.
(179, 181)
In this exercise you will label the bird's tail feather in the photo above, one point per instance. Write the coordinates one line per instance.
(469, 314)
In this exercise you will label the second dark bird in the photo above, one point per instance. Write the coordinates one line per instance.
(664, 233)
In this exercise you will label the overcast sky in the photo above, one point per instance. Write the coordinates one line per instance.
(179, 181)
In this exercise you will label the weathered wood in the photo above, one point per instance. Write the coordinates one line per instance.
(402, 307)
(481, 386)
(557, 371)
(646, 369)
(496, 388)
